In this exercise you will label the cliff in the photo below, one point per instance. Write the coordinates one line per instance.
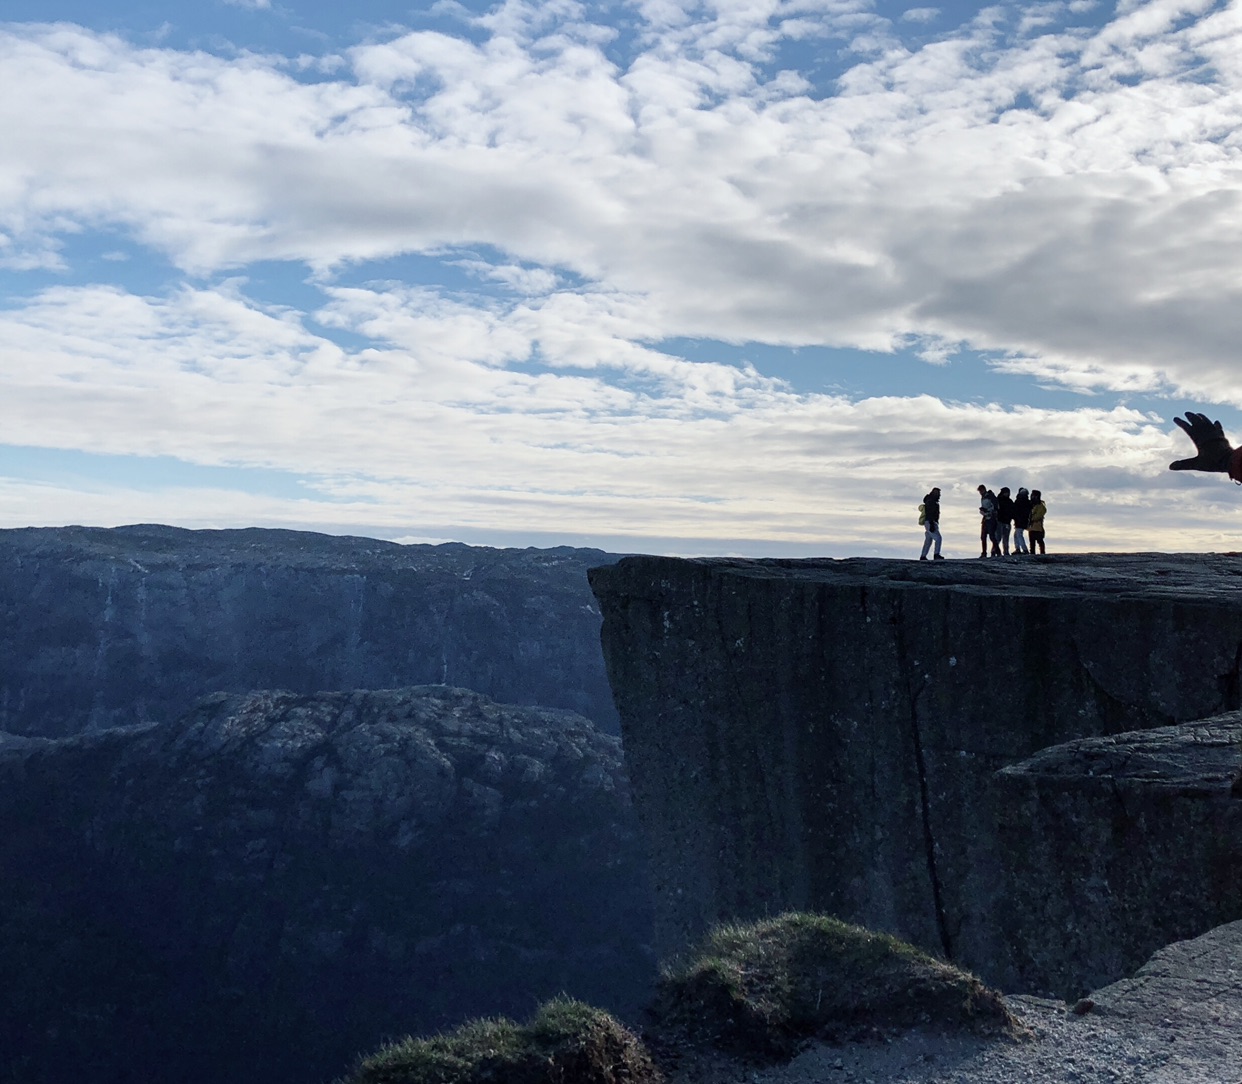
(104, 628)
(825, 734)
(274, 883)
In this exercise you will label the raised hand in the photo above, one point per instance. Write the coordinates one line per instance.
(1213, 447)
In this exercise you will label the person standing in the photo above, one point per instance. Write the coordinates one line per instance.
(1021, 519)
(1038, 511)
(1004, 518)
(987, 526)
(931, 524)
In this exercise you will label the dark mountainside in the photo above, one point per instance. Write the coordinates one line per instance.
(113, 627)
(825, 735)
(275, 883)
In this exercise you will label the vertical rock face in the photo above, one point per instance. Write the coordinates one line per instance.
(103, 628)
(1118, 846)
(824, 734)
(275, 883)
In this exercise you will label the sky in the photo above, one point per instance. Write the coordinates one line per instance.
(723, 277)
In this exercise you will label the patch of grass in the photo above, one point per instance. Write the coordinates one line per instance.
(567, 1042)
(765, 988)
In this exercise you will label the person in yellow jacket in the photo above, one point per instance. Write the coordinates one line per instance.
(1035, 529)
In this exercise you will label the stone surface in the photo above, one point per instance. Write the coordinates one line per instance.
(1187, 985)
(1175, 1022)
(824, 734)
(102, 628)
(275, 883)
(1117, 846)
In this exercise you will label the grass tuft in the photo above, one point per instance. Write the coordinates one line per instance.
(566, 1041)
(763, 989)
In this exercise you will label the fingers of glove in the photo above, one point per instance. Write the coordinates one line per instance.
(1186, 464)
(1200, 427)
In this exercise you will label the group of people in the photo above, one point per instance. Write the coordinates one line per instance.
(1024, 514)
(1000, 517)
(1000, 514)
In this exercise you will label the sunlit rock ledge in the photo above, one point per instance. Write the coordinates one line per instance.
(825, 734)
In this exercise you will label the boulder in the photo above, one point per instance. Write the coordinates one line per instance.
(1117, 846)
(1193, 986)
(276, 882)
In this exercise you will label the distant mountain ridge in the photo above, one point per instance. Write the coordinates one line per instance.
(105, 627)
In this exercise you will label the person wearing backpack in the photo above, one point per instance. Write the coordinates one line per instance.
(929, 517)
(1021, 519)
(1004, 518)
(1038, 511)
(987, 527)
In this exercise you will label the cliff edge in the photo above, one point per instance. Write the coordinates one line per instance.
(114, 627)
(824, 735)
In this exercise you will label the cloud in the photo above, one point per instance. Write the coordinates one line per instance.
(427, 429)
(1095, 227)
(1065, 199)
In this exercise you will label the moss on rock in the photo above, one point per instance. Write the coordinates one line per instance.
(567, 1042)
(765, 988)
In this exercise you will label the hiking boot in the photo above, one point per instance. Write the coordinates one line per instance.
(923, 557)
(939, 557)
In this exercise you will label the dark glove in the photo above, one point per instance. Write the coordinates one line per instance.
(1210, 442)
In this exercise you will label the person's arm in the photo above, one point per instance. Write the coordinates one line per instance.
(1215, 453)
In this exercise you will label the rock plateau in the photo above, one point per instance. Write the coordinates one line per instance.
(113, 627)
(825, 735)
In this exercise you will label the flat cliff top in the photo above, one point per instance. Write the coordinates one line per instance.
(1189, 577)
(154, 546)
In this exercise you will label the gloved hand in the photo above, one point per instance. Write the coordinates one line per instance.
(1214, 449)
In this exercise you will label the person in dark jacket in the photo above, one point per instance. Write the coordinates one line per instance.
(1213, 451)
(1021, 519)
(1004, 518)
(931, 523)
(987, 525)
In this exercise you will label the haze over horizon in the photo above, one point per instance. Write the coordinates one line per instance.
(685, 277)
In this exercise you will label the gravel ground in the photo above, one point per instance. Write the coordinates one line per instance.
(1178, 1020)
(1063, 1049)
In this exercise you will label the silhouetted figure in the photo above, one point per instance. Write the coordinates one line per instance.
(1004, 518)
(987, 525)
(1036, 525)
(1215, 453)
(931, 523)
(1021, 519)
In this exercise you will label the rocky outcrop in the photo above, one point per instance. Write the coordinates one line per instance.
(275, 883)
(102, 628)
(824, 734)
(1117, 846)
(1177, 1021)
(1188, 984)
